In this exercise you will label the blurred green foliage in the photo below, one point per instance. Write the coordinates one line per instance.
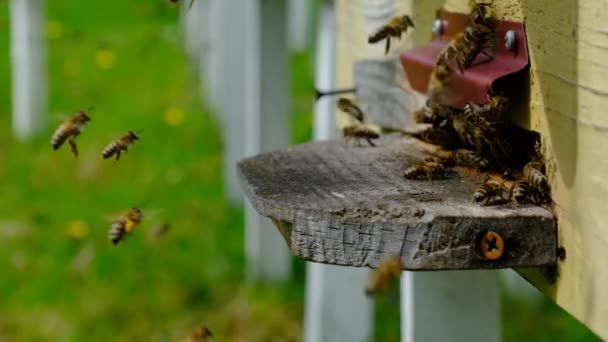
(61, 279)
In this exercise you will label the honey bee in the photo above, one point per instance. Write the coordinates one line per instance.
(481, 15)
(69, 130)
(468, 44)
(534, 175)
(125, 224)
(489, 191)
(348, 107)
(384, 276)
(443, 135)
(440, 76)
(429, 169)
(395, 27)
(118, 145)
(358, 132)
(523, 192)
(432, 113)
(200, 334)
(466, 157)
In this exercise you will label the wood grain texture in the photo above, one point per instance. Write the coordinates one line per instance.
(347, 205)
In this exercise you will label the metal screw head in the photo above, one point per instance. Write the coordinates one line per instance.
(510, 40)
(492, 245)
(438, 26)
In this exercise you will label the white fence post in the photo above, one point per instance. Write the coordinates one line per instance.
(266, 124)
(28, 59)
(299, 13)
(336, 306)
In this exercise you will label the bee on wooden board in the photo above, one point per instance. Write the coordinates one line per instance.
(395, 27)
(492, 191)
(200, 334)
(523, 192)
(534, 175)
(358, 132)
(426, 169)
(119, 145)
(469, 158)
(125, 224)
(348, 107)
(387, 273)
(69, 130)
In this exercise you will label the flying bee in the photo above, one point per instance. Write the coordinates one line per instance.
(466, 157)
(125, 224)
(69, 130)
(384, 276)
(348, 107)
(428, 169)
(489, 191)
(481, 15)
(395, 27)
(440, 76)
(358, 132)
(534, 175)
(200, 334)
(118, 145)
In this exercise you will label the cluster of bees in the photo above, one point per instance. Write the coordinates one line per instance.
(476, 136)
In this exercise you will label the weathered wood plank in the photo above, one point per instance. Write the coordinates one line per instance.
(349, 205)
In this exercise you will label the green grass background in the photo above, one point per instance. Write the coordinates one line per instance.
(61, 279)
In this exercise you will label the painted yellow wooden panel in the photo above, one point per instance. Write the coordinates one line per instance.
(568, 45)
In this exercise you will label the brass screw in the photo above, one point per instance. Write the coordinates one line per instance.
(492, 246)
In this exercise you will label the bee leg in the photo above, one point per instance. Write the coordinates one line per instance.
(73, 147)
(191, 2)
(118, 155)
(388, 45)
(370, 141)
(484, 52)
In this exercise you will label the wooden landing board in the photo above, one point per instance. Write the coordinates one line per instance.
(347, 205)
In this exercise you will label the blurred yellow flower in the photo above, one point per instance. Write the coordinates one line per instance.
(77, 229)
(54, 29)
(174, 116)
(105, 59)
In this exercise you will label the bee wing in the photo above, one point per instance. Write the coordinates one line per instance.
(152, 213)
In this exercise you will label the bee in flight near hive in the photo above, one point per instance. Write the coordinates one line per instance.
(348, 107)
(118, 145)
(69, 130)
(395, 27)
(492, 191)
(440, 76)
(428, 168)
(200, 334)
(358, 132)
(125, 224)
(384, 276)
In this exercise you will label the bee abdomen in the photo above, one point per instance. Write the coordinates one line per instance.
(378, 35)
(521, 191)
(412, 172)
(110, 150)
(482, 193)
(117, 231)
(60, 136)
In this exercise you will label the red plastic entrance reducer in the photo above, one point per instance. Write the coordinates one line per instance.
(471, 85)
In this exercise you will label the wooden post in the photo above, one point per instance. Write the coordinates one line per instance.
(450, 306)
(266, 123)
(299, 13)
(28, 58)
(336, 307)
